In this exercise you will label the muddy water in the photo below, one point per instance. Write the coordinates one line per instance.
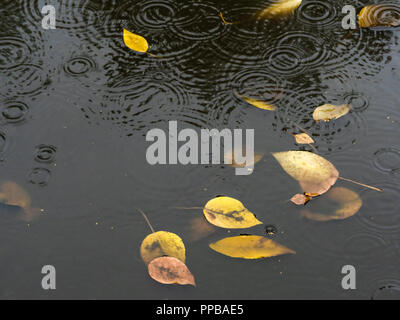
(76, 105)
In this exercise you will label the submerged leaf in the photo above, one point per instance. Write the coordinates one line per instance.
(303, 138)
(229, 157)
(257, 103)
(328, 112)
(279, 8)
(226, 212)
(169, 270)
(380, 15)
(349, 201)
(200, 228)
(315, 174)
(249, 247)
(135, 42)
(162, 243)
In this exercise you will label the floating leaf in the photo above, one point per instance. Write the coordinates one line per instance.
(135, 42)
(257, 103)
(315, 174)
(349, 201)
(300, 199)
(279, 8)
(226, 212)
(162, 243)
(328, 112)
(303, 138)
(229, 157)
(249, 247)
(381, 15)
(169, 270)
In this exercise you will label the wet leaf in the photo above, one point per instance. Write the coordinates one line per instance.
(300, 199)
(135, 42)
(315, 174)
(226, 212)
(14, 195)
(257, 103)
(249, 247)
(162, 243)
(169, 270)
(303, 138)
(280, 8)
(328, 112)
(229, 157)
(381, 15)
(349, 202)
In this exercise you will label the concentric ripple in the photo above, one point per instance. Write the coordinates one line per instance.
(13, 52)
(318, 14)
(79, 65)
(387, 160)
(39, 176)
(45, 153)
(14, 111)
(285, 60)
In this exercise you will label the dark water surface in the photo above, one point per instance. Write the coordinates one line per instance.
(76, 104)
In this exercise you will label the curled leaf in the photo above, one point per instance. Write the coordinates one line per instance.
(303, 138)
(381, 15)
(280, 8)
(162, 243)
(249, 247)
(349, 204)
(135, 42)
(257, 103)
(315, 174)
(169, 270)
(328, 112)
(226, 212)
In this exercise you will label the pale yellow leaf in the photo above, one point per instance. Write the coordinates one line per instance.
(380, 15)
(249, 247)
(226, 212)
(257, 103)
(303, 138)
(328, 112)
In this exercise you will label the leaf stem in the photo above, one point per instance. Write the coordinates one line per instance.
(147, 220)
(361, 184)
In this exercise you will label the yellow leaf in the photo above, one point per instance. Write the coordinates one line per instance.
(303, 138)
(257, 103)
(315, 174)
(249, 247)
(281, 7)
(162, 243)
(226, 212)
(349, 201)
(169, 270)
(135, 42)
(381, 15)
(328, 112)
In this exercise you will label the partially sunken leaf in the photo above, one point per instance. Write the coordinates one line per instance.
(328, 112)
(200, 228)
(135, 42)
(226, 212)
(257, 103)
(249, 247)
(229, 157)
(280, 8)
(315, 174)
(169, 270)
(300, 199)
(349, 202)
(381, 15)
(303, 138)
(162, 243)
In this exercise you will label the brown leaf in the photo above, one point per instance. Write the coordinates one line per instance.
(170, 270)
(300, 199)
